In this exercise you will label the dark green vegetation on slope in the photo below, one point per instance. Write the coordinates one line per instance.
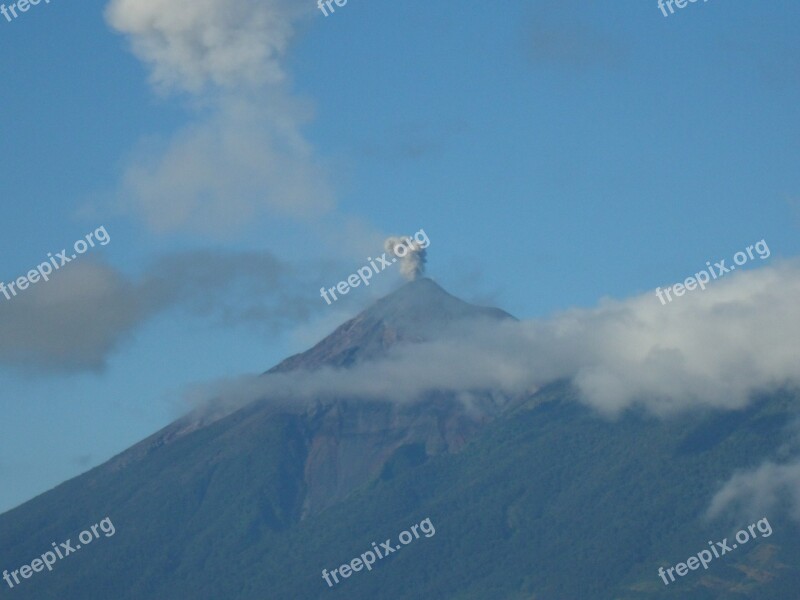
(549, 501)
(552, 502)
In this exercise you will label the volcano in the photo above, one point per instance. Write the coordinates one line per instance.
(539, 498)
(264, 468)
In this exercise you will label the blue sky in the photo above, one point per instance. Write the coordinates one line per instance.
(555, 154)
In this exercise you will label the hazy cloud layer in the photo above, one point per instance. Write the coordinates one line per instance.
(78, 318)
(711, 348)
(765, 490)
(244, 155)
(71, 322)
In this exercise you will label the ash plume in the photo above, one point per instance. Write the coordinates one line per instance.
(409, 252)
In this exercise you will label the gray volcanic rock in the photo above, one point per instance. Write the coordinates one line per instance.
(419, 311)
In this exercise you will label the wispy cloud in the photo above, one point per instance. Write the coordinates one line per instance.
(767, 489)
(559, 35)
(414, 140)
(244, 156)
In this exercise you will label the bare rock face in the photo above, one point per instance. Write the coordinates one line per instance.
(418, 311)
(352, 442)
(340, 444)
(355, 442)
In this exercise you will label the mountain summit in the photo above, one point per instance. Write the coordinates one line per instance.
(416, 312)
(351, 442)
(419, 311)
(242, 478)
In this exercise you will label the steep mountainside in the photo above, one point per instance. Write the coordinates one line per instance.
(545, 500)
(266, 466)
(419, 311)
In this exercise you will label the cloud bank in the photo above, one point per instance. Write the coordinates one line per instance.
(709, 349)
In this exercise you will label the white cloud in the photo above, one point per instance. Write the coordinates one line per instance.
(710, 348)
(190, 44)
(244, 156)
(763, 490)
(224, 172)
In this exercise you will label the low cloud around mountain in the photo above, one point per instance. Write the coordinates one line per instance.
(714, 348)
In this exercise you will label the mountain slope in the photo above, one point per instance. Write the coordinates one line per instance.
(553, 502)
(546, 500)
(257, 471)
(418, 311)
